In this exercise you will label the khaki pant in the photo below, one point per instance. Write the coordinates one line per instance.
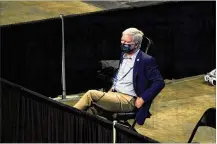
(111, 101)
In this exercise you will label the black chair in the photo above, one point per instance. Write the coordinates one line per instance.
(208, 119)
(121, 118)
(105, 75)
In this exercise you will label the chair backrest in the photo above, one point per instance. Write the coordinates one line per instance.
(107, 72)
(207, 119)
(149, 42)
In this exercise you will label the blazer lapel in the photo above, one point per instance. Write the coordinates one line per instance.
(136, 68)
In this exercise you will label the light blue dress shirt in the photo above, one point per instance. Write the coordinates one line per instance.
(123, 82)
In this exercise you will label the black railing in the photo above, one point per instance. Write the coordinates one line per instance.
(28, 116)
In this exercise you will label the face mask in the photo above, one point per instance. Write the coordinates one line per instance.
(126, 48)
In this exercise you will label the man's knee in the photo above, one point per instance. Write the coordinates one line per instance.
(92, 92)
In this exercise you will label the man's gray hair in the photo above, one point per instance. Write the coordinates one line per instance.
(136, 34)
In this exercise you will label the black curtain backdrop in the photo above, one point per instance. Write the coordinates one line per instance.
(31, 117)
(183, 34)
(31, 55)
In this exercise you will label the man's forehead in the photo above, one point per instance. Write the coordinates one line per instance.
(127, 36)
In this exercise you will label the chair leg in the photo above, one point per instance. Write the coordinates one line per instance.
(133, 125)
(192, 134)
(127, 125)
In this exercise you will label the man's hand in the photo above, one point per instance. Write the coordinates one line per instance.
(139, 102)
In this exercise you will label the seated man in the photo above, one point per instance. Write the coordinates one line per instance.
(136, 83)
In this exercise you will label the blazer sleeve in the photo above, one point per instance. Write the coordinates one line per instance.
(154, 76)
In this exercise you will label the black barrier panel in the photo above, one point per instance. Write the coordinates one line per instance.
(126, 135)
(183, 34)
(31, 55)
(30, 117)
(194, 39)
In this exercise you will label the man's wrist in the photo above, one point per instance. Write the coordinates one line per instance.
(142, 99)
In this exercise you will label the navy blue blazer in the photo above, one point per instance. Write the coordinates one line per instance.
(147, 82)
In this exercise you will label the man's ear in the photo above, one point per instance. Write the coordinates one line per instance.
(136, 44)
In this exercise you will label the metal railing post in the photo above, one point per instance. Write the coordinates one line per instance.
(63, 61)
(114, 131)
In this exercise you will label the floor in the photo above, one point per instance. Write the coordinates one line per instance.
(22, 11)
(175, 110)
